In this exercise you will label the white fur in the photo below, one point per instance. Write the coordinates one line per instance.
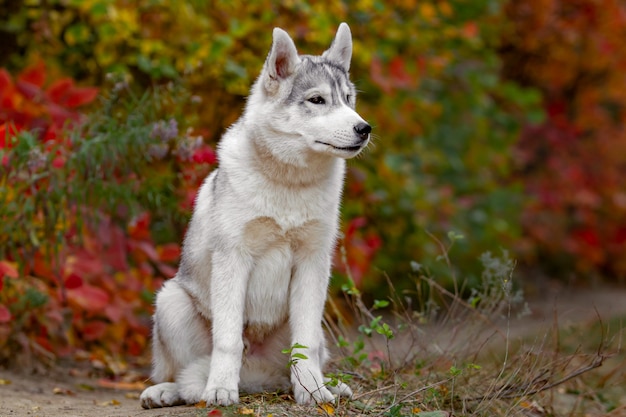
(256, 258)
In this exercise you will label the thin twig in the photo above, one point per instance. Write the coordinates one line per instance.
(365, 394)
(411, 394)
(598, 361)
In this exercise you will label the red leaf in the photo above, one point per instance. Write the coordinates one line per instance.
(588, 236)
(9, 269)
(73, 281)
(5, 82)
(397, 69)
(58, 161)
(7, 130)
(139, 227)
(114, 312)
(60, 89)
(204, 155)
(169, 252)
(80, 96)
(89, 298)
(94, 330)
(5, 314)
(148, 249)
(29, 91)
(35, 74)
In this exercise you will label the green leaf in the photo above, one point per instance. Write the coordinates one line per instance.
(299, 356)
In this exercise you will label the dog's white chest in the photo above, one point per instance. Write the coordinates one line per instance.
(275, 253)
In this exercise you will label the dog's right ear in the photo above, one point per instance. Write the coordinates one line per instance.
(282, 60)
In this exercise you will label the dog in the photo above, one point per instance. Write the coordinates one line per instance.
(256, 258)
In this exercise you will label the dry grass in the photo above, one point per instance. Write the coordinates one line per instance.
(472, 356)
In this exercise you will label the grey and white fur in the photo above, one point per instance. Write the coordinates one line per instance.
(257, 255)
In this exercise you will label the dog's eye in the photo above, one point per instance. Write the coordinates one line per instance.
(317, 100)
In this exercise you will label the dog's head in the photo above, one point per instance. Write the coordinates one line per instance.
(308, 101)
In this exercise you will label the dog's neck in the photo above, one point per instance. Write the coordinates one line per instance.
(314, 169)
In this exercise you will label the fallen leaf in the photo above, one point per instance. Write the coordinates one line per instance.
(132, 395)
(4, 381)
(245, 411)
(107, 403)
(201, 404)
(326, 409)
(85, 387)
(128, 386)
(62, 391)
(214, 413)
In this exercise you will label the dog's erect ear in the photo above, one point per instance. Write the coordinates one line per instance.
(340, 51)
(283, 58)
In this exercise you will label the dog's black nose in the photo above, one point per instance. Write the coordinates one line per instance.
(363, 130)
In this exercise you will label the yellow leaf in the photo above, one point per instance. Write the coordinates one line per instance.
(326, 409)
(4, 381)
(245, 411)
(428, 11)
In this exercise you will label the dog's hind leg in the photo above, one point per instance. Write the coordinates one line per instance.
(180, 337)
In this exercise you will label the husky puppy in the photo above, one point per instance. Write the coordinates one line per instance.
(257, 256)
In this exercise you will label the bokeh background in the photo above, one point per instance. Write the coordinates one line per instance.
(498, 127)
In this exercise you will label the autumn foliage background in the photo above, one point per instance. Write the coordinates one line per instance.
(501, 121)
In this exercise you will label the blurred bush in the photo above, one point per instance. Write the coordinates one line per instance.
(444, 120)
(573, 165)
(92, 207)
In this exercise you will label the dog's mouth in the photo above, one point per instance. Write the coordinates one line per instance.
(341, 148)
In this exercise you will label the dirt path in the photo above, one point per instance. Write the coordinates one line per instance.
(62, 395)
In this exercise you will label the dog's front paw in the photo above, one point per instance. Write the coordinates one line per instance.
(161, 395)
(315, 395)
(340, 389)
(308, 385)
(220, 396)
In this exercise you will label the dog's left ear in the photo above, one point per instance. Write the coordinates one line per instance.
(282, 60)
(340, 51)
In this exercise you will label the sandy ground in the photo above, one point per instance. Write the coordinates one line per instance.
(60, 394)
